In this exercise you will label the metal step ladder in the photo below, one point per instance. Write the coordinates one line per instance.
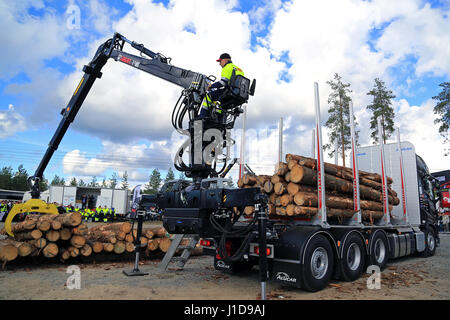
(181, 260)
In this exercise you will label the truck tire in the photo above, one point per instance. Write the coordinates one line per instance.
(430, 243)
(353, 258)
(318, 264)
(379, 250)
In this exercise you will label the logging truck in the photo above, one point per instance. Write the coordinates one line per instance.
(307, 252)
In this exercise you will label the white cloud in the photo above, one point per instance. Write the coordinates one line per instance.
(11, 122)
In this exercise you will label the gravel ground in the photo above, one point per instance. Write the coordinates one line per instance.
(406, 278)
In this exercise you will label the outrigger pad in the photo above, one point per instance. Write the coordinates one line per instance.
(32, 205)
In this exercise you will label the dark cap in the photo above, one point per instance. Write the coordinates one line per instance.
(223, 56)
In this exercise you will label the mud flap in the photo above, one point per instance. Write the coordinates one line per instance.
(287, 272)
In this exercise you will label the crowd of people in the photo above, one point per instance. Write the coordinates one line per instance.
(89, 213)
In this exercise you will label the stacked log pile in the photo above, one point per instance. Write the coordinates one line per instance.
(64, 237)
(292, 190)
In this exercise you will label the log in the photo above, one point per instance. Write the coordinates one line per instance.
(26, 225)
(276, 178)
(290, 209)
(248, 179)
(148, 233)
(50, 250)
(56, 225)
(102, 236)
(144, 241)
(287, 177)
(78, 241)
(153, 244)
(129, 238)
(74, 252)
(71, 219)
(268, 186)
(286, 199)
(281, 168)
(44, 225)
(38, 243)
(121, 235)
(65, 234)
(164, 244)
(291, 164)
(96, 246)
(8, 252)
(64, 254)
(24, 248)
(129, 247)
(271, 209)
(28, 235)
(86, 250)
(159, 231)
(114, 227)
(108, 247)
(279, 188)
(335, 169)
(281, 211)
(81, 230)
(52, 235)
(119, 247)
(370, 214)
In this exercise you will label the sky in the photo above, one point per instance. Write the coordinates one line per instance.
(287, 46)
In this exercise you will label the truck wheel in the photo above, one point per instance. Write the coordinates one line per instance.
(353, 258)
(318, 264)
(379, 250)
(430, 243)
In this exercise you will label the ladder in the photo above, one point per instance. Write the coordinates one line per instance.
(181, 260)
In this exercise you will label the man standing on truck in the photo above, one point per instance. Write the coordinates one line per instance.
(217, 89)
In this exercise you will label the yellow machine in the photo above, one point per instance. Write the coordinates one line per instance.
(32, 205)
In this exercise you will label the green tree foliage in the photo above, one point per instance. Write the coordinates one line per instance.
(338, 122)
(125, 184)
(104, 184)
(170, 175)
(93, 182)
(442, 110)
(6, 175)
(113, 181)
(57, 181)
(81, 183)
(43, 184)
(181, 176)
(19, 179)
(73, 182)
(154, 182)
(381, 107)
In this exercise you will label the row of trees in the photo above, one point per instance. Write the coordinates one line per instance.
(17, 180)
(338, 121)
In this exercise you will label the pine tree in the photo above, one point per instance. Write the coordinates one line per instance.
(43, 184)
(338, 121)
(442, 110)
(19, 179)
(170, 175)
(113, 180)
(104, 184)
(154, 182)
(56, 181)
(125, 184)
(181, 176)
(81, 183)
(73, 182)
(93, 182)
(381, 107)
(6, 175)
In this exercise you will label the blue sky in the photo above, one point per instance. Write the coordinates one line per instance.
(285, 45)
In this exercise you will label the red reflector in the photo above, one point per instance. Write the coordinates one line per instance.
(205, 243)
(256, 251)
(268, 252)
